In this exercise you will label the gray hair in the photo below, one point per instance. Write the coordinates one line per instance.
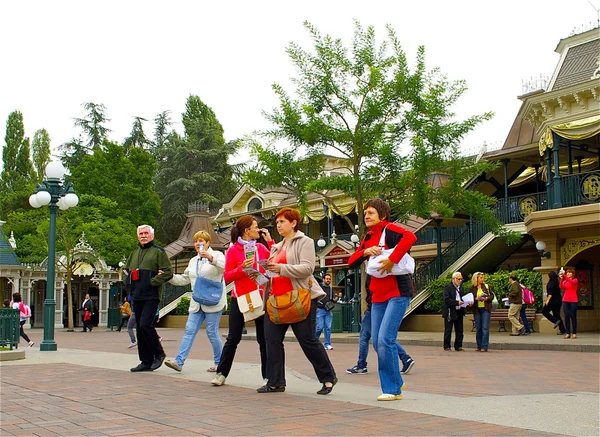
(140, 227)
(455, 274)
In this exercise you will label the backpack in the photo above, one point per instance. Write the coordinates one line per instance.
(25, 310)
(528, 297)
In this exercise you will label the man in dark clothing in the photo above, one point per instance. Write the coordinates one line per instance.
(453, 314)
(89, 305)
(149, 267)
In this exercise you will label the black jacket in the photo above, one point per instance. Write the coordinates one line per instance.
(450, 302)
(147, 260)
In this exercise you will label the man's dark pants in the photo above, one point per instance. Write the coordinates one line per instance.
(149, 346)
(458, 332)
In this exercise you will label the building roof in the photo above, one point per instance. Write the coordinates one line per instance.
(196, 221)
(8, 257)
(580, 63)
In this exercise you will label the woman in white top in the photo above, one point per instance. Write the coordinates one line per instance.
(209, 264)
(16, 305)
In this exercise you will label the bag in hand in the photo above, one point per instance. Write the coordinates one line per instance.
(406, 265)
(207, 292)
(326, 303)
(291, 307)
(251, 305)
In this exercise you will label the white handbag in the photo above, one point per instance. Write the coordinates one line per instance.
(406, 265)
(251, 305)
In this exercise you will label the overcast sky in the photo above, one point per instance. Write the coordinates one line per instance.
(139, 58)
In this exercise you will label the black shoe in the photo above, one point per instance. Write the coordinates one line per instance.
(515, 335)
(268, 389)
(556, 324)
(326, 390)
(522, 330)
(141, 368)
(158, 362)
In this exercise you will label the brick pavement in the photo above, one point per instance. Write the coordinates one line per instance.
(54, 403)
(66, 399)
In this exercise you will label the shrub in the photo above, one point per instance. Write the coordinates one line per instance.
(497, 281)
(182, 307)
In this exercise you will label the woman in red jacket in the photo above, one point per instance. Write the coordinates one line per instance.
(391, 294)
(569, 283)
(245, 231)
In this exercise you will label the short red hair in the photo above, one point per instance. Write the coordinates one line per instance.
(290, 214)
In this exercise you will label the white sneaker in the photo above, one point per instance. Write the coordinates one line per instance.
(389, 397)
(31, 343)
(134, 344)
(219, 379)
(329, 347)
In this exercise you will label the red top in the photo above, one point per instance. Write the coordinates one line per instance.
(570, 287)
(281, 285)
(234, 272)
(383, 289)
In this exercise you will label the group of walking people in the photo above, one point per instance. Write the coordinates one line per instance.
(274, 270)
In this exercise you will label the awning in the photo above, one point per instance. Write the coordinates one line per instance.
(573, 130)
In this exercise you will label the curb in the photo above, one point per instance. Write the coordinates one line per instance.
(468, 344)
(12, 355)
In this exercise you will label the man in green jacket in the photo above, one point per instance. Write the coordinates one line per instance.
(515, 299)
(149, 267)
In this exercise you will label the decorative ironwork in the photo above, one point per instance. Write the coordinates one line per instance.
(590, 188)
(527, 206)
(573, 246)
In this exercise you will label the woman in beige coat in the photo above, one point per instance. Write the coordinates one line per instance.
(293, 260)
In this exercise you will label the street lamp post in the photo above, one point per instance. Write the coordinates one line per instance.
(356, 299)
(53, 192)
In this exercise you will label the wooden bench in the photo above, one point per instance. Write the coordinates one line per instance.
(500, 315)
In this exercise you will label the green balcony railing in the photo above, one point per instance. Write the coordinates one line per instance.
(515, 209)
(580, 189)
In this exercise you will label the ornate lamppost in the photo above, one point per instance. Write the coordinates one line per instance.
(56, 194)
(356, 299)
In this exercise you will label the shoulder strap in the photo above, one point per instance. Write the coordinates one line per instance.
(382, 238)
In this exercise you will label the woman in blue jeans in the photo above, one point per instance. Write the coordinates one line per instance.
(482, 310)
(390, 294)
(209, 264)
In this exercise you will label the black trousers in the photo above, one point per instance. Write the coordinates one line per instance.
(234, 336)
(149, 347)
(554, 307)
(458, 332)
(570, 310)
(25, 336)
(124, 321)
(312, 348)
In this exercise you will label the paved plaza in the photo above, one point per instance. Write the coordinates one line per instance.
(85, 388)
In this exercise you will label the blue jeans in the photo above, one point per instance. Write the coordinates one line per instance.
(194, 322)
(363, 343)
(324, 320)
(524, 320)
(385, 322)
(482, 328)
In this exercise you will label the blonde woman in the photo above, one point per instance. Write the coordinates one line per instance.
(482, 310)
(209, 264)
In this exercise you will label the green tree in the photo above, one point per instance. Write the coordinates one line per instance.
(162, 124)
(24, 167)
(137, 138)
(93, 126)
(41, 153)
(193, 168)
(124, 178)
(393, 126)
(15, 134)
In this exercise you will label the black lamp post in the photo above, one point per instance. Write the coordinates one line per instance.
(54, 193)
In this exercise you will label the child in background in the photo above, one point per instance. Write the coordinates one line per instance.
(87, 320)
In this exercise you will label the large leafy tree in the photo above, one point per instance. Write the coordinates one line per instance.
(393, 125)
(41, 153)
(125, 178)
(193, 168)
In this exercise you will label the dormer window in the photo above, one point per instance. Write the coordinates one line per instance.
(255, 204)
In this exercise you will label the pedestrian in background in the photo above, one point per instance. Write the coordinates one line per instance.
(570, 301)
(482, 310)
(453, 313)
(553, 303)
(16, 304)
(515, 300)
(125, 313)
(325, 316)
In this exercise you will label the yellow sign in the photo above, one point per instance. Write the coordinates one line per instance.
(590, 188)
